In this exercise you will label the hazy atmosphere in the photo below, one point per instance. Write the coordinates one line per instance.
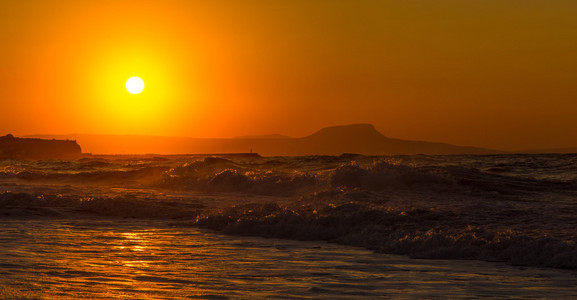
(296, 149)
(494, 74)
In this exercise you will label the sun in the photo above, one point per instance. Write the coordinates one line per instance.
(134, 85)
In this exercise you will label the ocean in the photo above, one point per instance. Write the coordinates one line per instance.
(349, 226)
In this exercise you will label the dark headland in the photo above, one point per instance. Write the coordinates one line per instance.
(38, 149)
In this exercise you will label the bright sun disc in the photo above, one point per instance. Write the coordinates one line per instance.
(134, 85)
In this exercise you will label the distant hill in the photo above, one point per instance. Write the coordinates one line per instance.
(365, 139)
(357, 138)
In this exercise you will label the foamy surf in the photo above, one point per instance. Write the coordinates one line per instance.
(421, 206)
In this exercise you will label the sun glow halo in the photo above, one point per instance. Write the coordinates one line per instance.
(165, 104)
(134, 85)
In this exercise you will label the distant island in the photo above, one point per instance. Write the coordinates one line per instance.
(356, 138)
(38, 149)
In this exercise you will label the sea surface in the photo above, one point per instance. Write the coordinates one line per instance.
(349, 226)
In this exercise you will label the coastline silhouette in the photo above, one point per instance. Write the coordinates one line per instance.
(361, 139)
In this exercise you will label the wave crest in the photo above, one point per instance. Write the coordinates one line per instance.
(224, 176)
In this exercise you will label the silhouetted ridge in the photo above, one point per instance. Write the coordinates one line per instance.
(353, 131)
(365, 139)
(356, 138)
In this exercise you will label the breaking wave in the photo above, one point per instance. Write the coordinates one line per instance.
(221, 175)
(417, 232)
(463, 207)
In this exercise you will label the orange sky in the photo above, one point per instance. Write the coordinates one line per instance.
(499, 74)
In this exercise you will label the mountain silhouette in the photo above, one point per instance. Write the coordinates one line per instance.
(356, 138)
(365, 139)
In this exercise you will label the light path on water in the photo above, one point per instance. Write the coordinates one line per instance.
(105, 259)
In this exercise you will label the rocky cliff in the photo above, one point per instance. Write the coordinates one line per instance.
(37, 149)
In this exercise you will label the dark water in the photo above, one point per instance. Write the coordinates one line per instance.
(520, 210)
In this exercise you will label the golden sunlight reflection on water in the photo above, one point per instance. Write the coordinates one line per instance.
(129, 259)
